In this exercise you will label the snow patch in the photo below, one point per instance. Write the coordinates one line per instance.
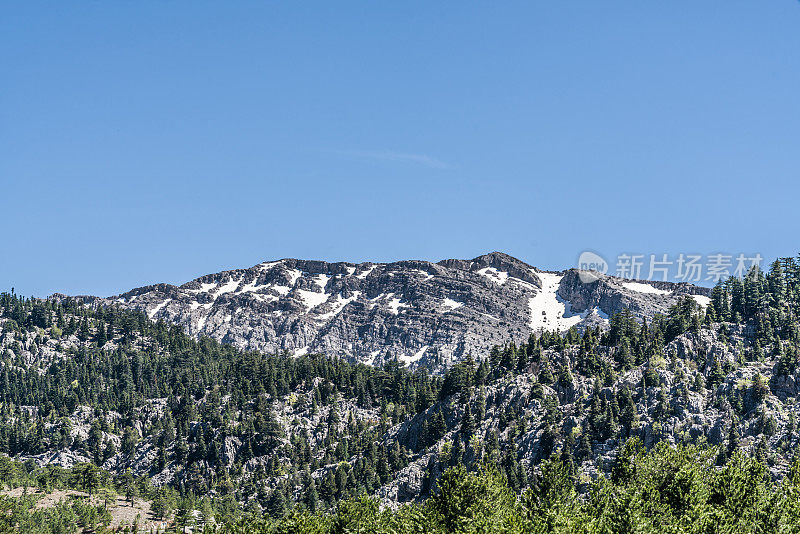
(548, 310)
(451, 304)
(350, 270)
(267, 265)
(427, 276)
(339, 305)
(498, 277)
(372, 356)
(523, 283)
(366, 273)
(702, 300)
(311, 298)
(155, 310)
(252, 286)
(302, 351)
(322, 280)
(227, 287)
(281, 290)
(395, 305)
(204, 288)
(374, 300)
(597, 311)
(644, 288)
(407, 360)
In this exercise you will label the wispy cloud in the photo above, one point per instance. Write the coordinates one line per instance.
(387, 155)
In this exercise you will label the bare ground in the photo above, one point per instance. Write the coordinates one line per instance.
(122, 513)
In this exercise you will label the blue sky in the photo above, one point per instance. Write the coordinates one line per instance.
(158, 141)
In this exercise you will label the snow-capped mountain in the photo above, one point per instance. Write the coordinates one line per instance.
(421, 313)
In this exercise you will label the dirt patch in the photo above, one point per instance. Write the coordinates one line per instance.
(122, 513)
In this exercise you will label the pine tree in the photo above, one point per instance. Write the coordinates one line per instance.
(467, 423)
(584, 447)
(131, 489)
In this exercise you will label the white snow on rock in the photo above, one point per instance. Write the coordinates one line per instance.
(395, 305)
(702, 300)
(267, 265)
(498, 277)
(451, 304)
(204, 288)
(366, 273)
(227, 287)
(249, 288)
(350, 270)
(408, 360)
(339, 305)
(311, 298)
(155, 310)
(426, 275)
(281, 290)
(322, 280)
(548, 310)
(523, 283)
(252, 286)
(301, 351)
(644, 288)
(372, 356)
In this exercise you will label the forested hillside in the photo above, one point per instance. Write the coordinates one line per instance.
(197, 425)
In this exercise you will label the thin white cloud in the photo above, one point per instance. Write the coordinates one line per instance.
(420, 159)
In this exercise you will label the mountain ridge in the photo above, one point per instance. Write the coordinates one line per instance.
(420, 313)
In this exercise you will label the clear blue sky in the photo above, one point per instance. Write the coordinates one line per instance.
(158, 141)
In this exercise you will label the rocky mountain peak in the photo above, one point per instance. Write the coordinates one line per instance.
(420, 313)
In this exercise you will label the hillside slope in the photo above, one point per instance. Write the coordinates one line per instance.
(109, 386)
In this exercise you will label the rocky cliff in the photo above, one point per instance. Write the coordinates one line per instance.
(421, 313)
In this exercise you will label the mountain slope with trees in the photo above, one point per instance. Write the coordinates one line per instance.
(247, 434)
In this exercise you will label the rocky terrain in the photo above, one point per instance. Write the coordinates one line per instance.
(752, 409)
(423, 314)
(101, 381)
(524, 415)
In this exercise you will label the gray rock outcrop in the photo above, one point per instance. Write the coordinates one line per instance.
(421, 313)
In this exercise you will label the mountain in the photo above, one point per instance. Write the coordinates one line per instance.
(243, 432)
(421, 313)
